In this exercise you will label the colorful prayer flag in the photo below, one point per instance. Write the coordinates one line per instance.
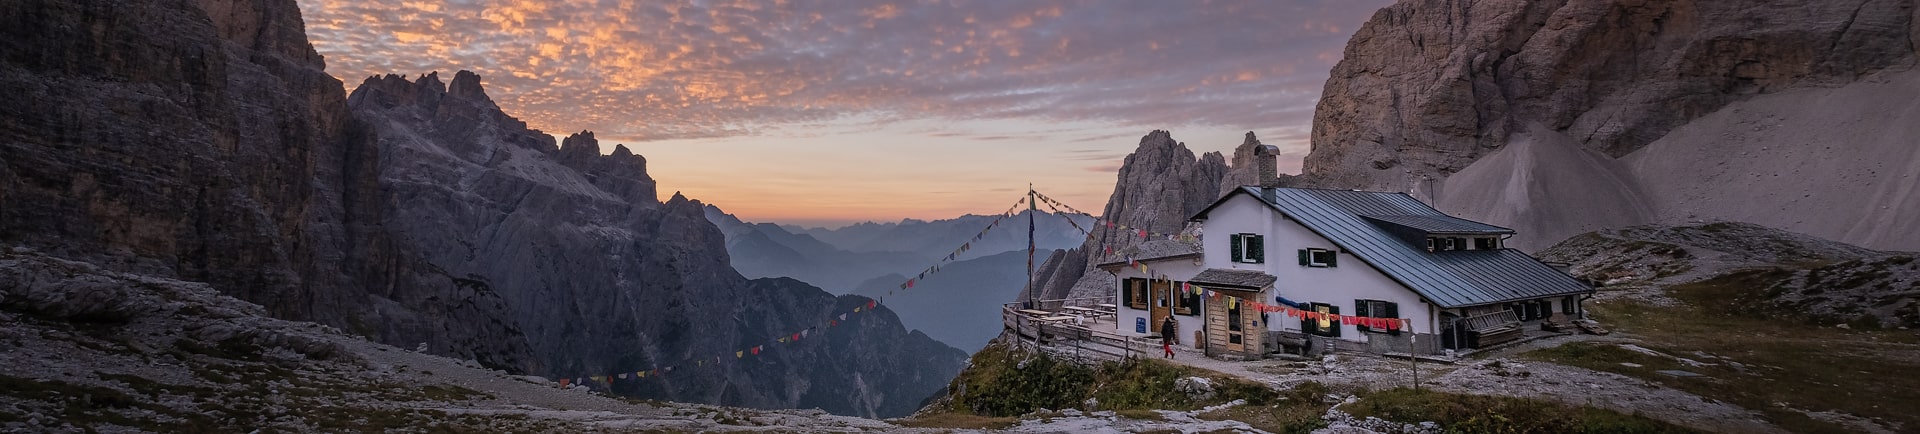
(564, 382)
(739, 354)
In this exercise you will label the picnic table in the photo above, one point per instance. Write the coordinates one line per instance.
(1088, 311)
(1109, 307)
(1032, 312)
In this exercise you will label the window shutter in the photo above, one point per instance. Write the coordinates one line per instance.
(1360, 309)
(1392, 311)
(1303, 257)
(1235, 246)
(1333, 258)
(1258, 245)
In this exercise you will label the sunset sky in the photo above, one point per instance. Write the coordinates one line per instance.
(833, 112)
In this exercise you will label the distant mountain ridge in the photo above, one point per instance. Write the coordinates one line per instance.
(841, 260)
(1051, 231)
(960, 305)
(602, 276)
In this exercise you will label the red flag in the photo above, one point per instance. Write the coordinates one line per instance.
(872, 303)
(909, 283)
(1143, 234)
(564, 382)
(755, 350)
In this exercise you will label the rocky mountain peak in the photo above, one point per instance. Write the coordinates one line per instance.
(1242, 169)
(1561, 117)
(466, 85)
(1160, 184)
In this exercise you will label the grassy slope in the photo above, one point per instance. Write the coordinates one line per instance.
(1003, 384)
(1787, 362)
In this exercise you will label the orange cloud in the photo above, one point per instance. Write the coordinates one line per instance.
(679, 68)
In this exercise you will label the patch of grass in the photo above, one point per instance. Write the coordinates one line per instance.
(958, 421)
(1784, 361)
(1005, 382)
(1480, 413)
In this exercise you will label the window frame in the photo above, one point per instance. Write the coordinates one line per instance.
(1185, 303)
(1235, 313)
(1333, 258)
(1313, 327)
(1137, 294)
(1248, 248)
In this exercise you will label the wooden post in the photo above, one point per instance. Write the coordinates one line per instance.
(1413, 345)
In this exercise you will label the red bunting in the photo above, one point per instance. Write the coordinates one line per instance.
(564, 382)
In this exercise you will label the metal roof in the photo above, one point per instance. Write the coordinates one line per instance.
(1221, 278)
(1448, 279)
(1152, 250)
(1438, 224)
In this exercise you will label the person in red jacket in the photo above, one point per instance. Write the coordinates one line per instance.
(1169, 335)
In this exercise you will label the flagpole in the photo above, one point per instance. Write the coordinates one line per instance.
(1033, 291)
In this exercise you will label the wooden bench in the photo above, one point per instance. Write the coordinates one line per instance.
(1492, 329)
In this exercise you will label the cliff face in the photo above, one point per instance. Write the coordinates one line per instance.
(601, 276)
(1160, 185)
(203, 141)
(1559, 117)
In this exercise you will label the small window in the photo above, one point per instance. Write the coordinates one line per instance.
(1248, 248)
(1137, 293)
(1233, 316)
(1188, 303)
(1429, 244)
(1483, 244)
(1319, 258)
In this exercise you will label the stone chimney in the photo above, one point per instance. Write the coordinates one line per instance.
(1264, 156)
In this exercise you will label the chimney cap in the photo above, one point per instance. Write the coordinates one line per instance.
(1266, 150)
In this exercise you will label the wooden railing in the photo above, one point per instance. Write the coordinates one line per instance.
(1028, 330)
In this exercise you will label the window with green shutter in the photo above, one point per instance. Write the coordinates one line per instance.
(1248, 248)
(1319, 258)
(1322, 327)
(1376, 309)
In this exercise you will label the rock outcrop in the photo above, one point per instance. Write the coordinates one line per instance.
(1761, 270)
(1561, 117)
(601, 276)
(204, 141)
(1160, 185)
(92, 350)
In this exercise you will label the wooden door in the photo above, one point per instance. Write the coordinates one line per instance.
(1162, 296)
(1236, 320)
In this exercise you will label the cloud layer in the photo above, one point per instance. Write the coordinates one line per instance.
(659, 70)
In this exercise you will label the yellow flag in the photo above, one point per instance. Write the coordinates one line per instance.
(739, 354)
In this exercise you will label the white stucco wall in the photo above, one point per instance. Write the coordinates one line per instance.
(1352, 279)
(1180, 270)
